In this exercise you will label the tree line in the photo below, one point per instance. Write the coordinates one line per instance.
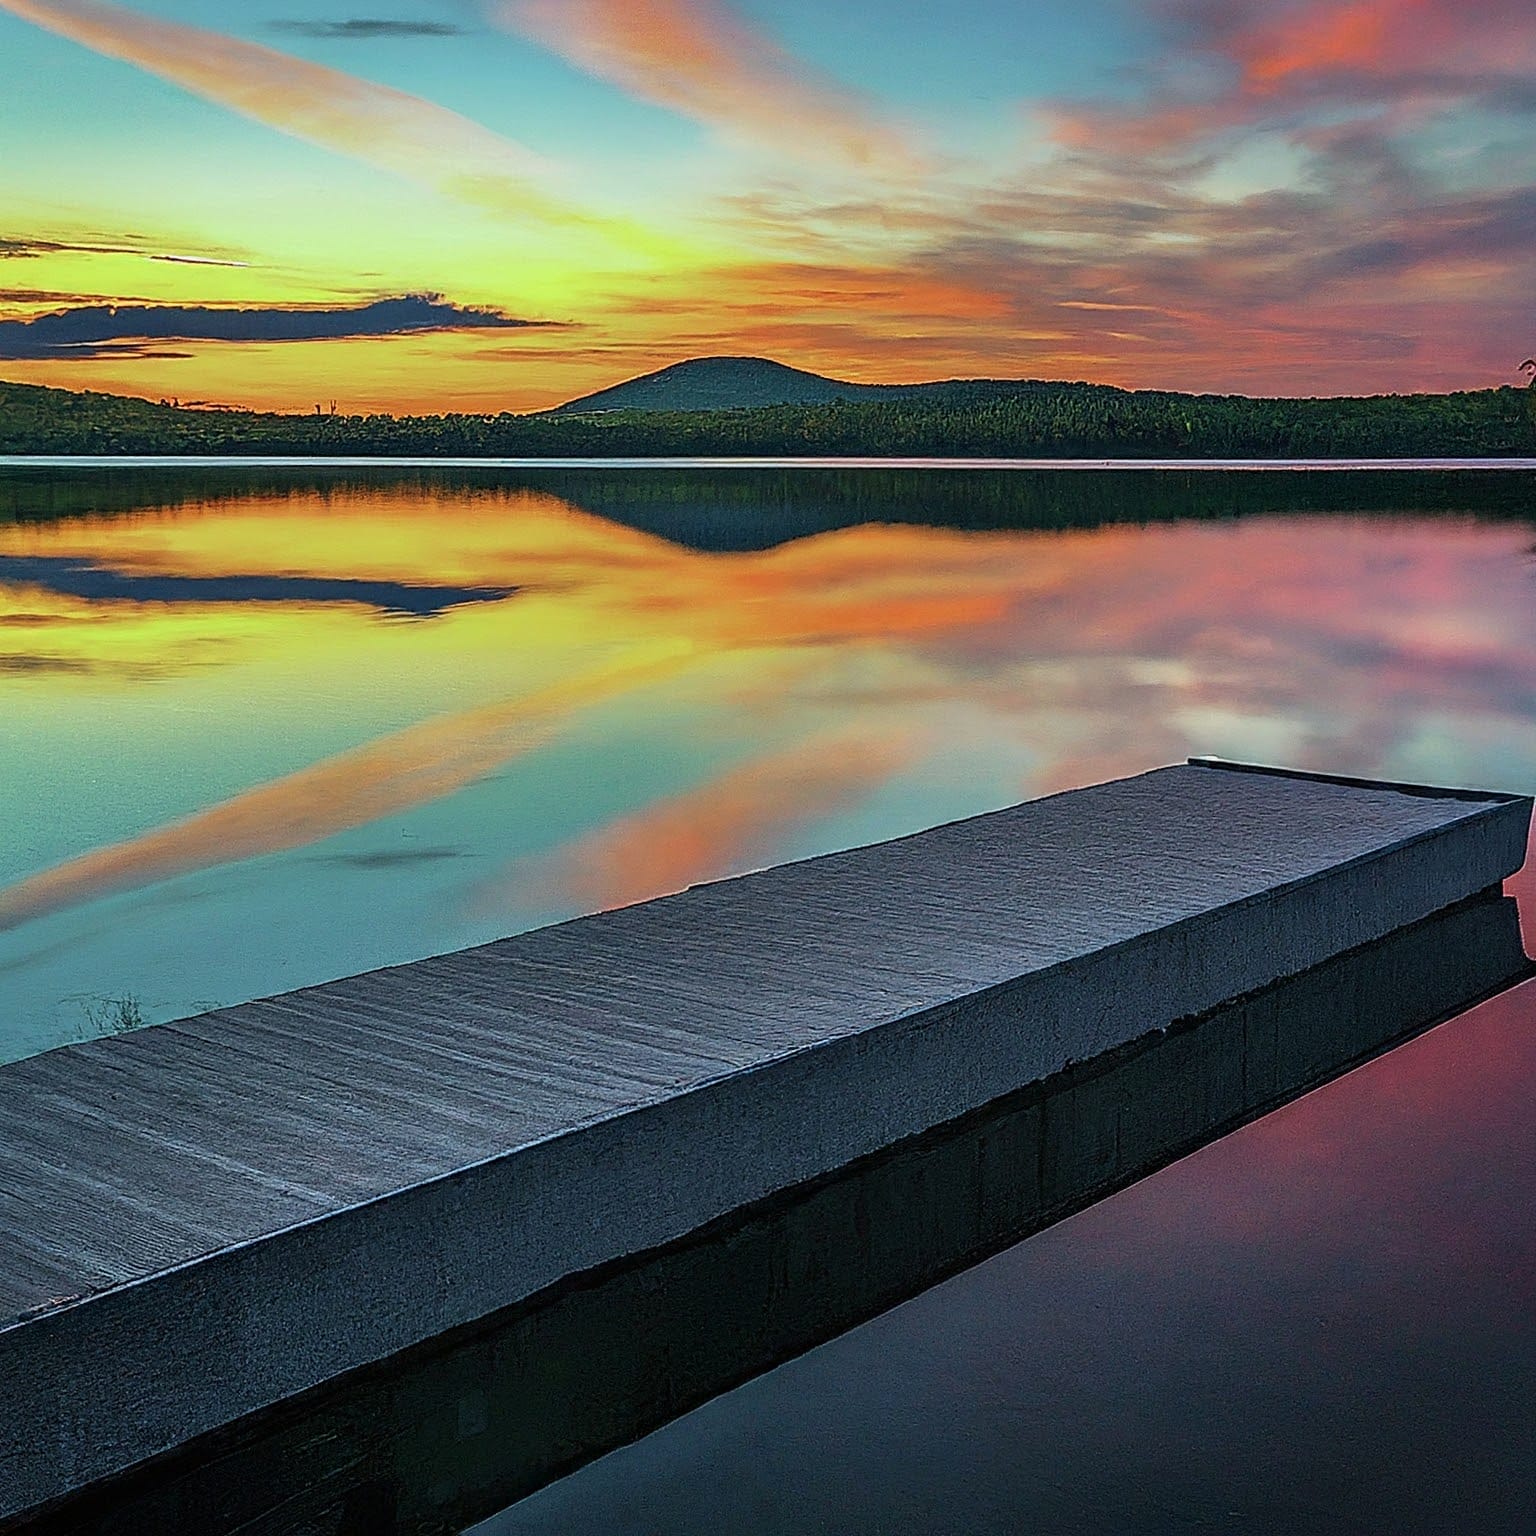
(969, 420)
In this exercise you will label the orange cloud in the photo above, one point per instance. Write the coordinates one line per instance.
(903, 295)
(1431, 45)
(384, 127)
(1326, 37)
(697, 58)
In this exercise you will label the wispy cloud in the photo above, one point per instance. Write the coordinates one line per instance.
(387, 128)
(1410, 46)
(1270, 65)
(702, 59)
(102, 330)
(1273, 220)
(177, 258)
(362, 27)
(23, 248)
(1307, 195)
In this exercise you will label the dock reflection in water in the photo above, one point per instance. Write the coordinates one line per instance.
(1324, 1322)
(443, 1434)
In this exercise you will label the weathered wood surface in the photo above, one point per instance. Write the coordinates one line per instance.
(200, 1219)
(434, 1439)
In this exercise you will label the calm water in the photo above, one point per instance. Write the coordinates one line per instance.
(1324, 1325)
(262, 728)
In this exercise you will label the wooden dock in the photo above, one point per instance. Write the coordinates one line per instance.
(202, 1220)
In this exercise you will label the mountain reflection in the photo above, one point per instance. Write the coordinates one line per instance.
(648, 711)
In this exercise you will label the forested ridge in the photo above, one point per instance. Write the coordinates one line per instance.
(980, 419)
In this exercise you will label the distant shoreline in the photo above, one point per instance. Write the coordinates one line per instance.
(662, 462)
(981, 423)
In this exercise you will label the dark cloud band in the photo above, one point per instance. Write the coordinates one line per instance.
(101, 330)
(361, 27)
(17, 249)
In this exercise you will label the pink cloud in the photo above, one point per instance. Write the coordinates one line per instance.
(699, 58)
(387, 128)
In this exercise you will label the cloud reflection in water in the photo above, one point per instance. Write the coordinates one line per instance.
(642, 715)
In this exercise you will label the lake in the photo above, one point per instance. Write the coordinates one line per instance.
(271, 725)
(264, 727)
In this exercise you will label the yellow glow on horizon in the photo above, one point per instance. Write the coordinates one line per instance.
(621, 297)
(862, 325)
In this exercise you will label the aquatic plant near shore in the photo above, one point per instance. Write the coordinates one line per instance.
(114, 1015)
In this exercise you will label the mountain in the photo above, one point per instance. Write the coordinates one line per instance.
(740, 383)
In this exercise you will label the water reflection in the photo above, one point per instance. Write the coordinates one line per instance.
(732, 822)
(447, 1432)
(72, 576)
(691, 676)
(1324, 1323)
(420, 764)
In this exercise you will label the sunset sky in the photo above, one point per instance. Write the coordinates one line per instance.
(499, 204)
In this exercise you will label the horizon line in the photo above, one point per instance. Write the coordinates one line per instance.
(852, 461)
